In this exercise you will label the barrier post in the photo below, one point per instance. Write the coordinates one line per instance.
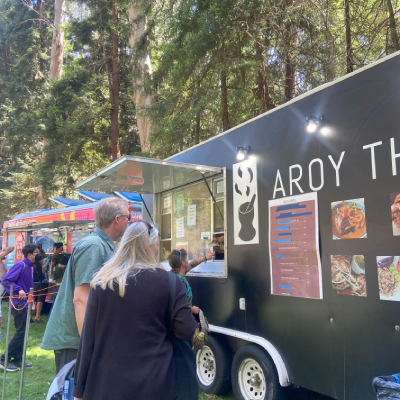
(7, 340)
(28, 320)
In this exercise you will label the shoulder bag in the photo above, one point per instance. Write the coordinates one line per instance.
(184, 357)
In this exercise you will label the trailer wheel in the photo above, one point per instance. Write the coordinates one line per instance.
(254, 376)
(214, 368)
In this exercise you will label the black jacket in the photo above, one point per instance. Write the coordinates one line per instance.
(125, 352)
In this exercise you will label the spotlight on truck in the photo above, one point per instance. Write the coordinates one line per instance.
(241, 152)
(313, 122)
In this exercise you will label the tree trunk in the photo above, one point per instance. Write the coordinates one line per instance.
(143, 69)
(57, 45)
(349, 51)
(262, 87)
(224, 95)
(242, 72)
(41, 195)
(114, 90)
(290, 71)
(197, 129)
(198, 124)
(41, 62)
(392, 20)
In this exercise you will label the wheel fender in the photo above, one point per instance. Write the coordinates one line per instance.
(265, 344)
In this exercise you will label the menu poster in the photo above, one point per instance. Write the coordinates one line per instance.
(180, 201)
(180, 227)
(191, 215)
(294, 246)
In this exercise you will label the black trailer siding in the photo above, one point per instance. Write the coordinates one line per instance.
(338, 358)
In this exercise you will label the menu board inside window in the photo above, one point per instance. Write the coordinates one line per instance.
(191, 216)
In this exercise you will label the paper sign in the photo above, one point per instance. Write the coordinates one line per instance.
(206, 235)
(219, 186)
(180, 227)
(191, 215)
(180, 201)
(167, 202)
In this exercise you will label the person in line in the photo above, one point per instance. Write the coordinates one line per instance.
(40, 284)
(125, 326)
(219, 254)
(20, 276)
(180, 265)
(66, 320)
(3, 271)
(51, 259)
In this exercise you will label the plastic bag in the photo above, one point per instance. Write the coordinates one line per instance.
(56, 390)
(387, 387)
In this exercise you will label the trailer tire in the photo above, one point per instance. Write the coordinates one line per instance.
(216, 380)
(254, 376)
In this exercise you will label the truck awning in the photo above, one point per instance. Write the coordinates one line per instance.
(34, 226)
(145, 175)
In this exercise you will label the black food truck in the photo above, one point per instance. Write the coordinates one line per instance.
(302, 205)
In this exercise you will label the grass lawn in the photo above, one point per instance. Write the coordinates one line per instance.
(38, 379)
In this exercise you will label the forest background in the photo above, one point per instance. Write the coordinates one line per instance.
(84, 82)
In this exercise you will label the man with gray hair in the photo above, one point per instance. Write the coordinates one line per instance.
(66, 321)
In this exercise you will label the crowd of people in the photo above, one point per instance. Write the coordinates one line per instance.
(113, 313)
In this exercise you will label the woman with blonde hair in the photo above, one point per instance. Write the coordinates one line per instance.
(125, 352)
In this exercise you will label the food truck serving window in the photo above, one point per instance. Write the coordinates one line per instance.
(190, 220)
(185, 212)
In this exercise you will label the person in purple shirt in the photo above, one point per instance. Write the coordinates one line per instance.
(21, 277)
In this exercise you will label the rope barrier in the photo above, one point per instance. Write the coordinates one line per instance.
(36, 291)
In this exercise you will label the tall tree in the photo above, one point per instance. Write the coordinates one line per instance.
(392, 20)
(57, 45)
(142, 71)
(349, 50)
(114, 89)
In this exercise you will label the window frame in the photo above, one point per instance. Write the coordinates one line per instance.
(221, 199)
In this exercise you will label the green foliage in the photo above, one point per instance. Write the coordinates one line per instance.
(53, 134)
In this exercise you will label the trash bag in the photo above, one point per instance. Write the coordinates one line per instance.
(387, 387)
(56, 390)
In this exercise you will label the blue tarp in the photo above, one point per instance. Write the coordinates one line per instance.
(128, 196)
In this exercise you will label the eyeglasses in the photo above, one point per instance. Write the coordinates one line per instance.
(149, 226)
(129, 216)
